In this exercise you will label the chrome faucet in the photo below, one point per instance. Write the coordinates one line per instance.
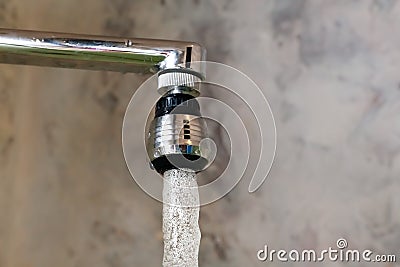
(175, 134)
(96, 52)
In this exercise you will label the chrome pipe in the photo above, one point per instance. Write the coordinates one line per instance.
(127, 55)
(174, 139)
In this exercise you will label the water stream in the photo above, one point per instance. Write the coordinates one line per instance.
(181, 219)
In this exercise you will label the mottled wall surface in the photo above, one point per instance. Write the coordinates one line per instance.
(330, 70)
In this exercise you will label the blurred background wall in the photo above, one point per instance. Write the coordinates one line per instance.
(330, 70)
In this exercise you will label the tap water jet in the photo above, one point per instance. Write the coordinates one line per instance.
(181, 209)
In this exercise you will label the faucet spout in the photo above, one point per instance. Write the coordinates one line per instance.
(128, 55)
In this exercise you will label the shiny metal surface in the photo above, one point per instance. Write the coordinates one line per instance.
(96, 52)
(177, 134)
(179, 81)
(173, 60)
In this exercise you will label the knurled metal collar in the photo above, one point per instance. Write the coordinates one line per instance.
(179, 80)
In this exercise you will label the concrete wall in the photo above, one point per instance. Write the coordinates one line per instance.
(330, 70)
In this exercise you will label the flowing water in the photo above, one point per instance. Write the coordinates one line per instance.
(181, 219)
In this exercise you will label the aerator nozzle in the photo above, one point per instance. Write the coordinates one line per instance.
(177, 130)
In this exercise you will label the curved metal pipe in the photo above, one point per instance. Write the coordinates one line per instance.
(96, 52)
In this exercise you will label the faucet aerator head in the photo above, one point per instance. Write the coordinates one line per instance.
(177, 129)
